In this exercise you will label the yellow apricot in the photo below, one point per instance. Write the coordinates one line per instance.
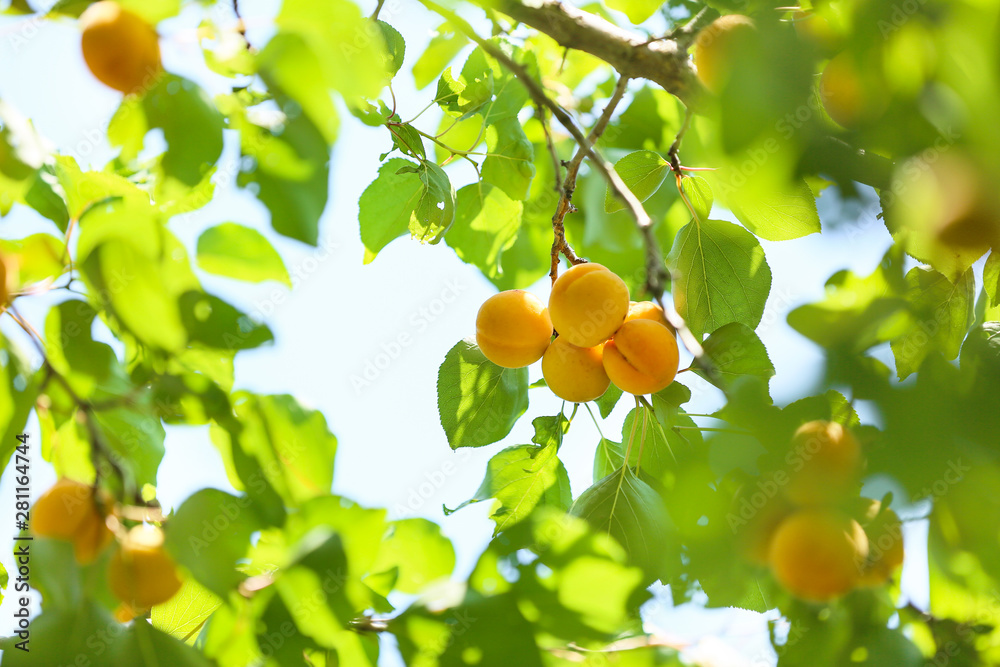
(885, 540)
(852, 94)
(69, 511)
(817, 554)
(647, 310)
(574, 373)
(642, 357)
(513, 329)
(825, 461)
(119, 47)
(717, 47)
(141, 573)
(587, 304)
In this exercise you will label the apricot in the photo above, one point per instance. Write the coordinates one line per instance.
(574, 373)
(119, 47)
(852, 93)
(587, 304)
(513, 329)
(885, 540)
(825, 461)
(817, 554)
(718, 45)
(647, 310)
(642, 357)
(69, 511)
(141, 573)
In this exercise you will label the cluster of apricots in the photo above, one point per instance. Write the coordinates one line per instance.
(120, 47)
(602, 337)
(852, 94)
(140, 572)
(818, 536)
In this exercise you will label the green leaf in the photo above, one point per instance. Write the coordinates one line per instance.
(395, 47)
(84, 189)
(485, 87)
(486, 224)
(406, 138)
(722, 276)
(386, 205)
(991, 278)
(18, 392)
(522, 478)
(607, 402)
(288, 65)
(550, 430)
(351, 49)
(289, 171)
(137, 294)
(699, 194)
(735, 350)
(39, 257)
(239, 252)
(636, 10)
(435, 210)
(212, 322)
(418, 551)
(776, 215)
(292, 445)
(209, 534)
(441, 50)
(184, 615)
(136, 436)
(88, 366)
(857, 313)
(404, 196)
(628, 509)
(478, 401)
(141, 641)
(489, 629)
(643, 172)
(943, 313)
(192, 128)
(509, 165)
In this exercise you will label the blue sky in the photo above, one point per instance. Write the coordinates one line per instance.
(343, 316)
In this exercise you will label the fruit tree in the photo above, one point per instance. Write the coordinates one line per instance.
(695, 304)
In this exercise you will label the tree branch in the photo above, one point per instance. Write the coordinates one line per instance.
(662, 61)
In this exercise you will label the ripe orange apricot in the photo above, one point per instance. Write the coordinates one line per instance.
(817, 554)
(120, 48)
(647, 310)
(70, 511)
(852, 93)
(718, 45)
(513, 329)
(574, 373)
(141, 573)
(587, 304)
(642, 357)
(885, 540)
(825, 464)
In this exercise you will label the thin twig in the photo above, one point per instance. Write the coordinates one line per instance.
(568, 186)
(378, 8)
(556, 164)
(672, 152)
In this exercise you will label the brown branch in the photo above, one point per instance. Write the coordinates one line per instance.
(568, 187)
(662, 61)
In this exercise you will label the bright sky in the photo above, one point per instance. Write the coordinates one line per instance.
(343, 316)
